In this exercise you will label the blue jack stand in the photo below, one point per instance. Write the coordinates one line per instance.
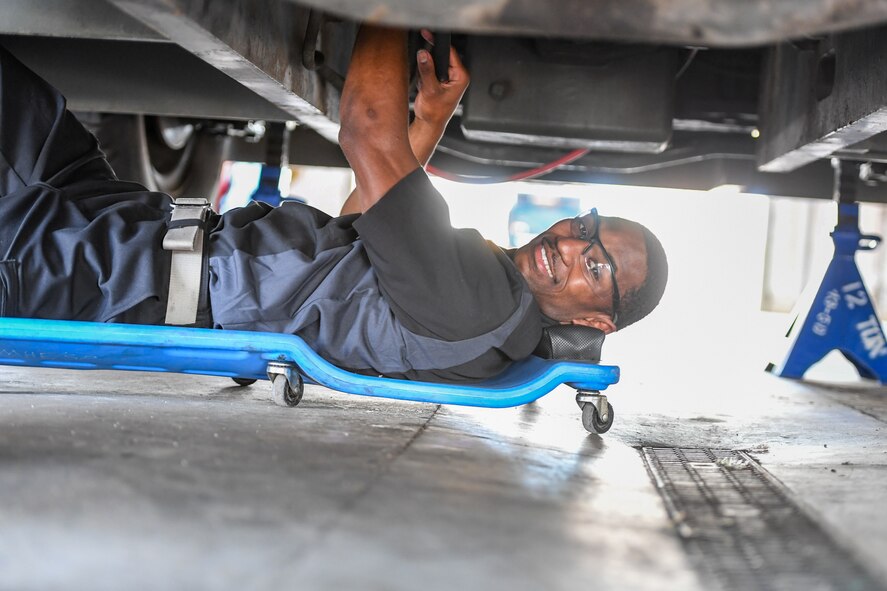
(276, 161)
(268, 189)
(842, 315)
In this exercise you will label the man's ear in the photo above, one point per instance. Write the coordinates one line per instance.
(602, 322)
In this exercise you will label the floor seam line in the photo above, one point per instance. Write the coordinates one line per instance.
(348, 506)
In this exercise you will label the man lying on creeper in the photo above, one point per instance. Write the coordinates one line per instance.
(391, 289)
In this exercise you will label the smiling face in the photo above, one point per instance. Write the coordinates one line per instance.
(571, 282)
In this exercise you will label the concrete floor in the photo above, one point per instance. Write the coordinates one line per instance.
(147, 481)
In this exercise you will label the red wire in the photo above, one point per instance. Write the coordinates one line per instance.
(519, 176)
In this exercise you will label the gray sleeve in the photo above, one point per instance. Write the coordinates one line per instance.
(441, 282)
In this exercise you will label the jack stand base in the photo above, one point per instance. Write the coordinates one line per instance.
(842, 316)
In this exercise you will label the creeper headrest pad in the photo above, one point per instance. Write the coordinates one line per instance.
(572, 342)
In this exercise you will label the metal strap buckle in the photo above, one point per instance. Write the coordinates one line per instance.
(184, 239)
(184, 236)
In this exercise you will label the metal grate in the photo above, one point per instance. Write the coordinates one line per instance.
(741, 528)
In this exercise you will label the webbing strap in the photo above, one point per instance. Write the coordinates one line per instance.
(184, 238)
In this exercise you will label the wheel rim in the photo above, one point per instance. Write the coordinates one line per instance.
(591, 419)
(294, 395)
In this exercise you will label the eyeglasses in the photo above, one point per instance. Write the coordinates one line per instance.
(594, 239)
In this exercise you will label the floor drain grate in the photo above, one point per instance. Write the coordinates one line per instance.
(741, 527)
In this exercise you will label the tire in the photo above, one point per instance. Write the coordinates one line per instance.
(285, 394)
(591, 419)
(167, 154)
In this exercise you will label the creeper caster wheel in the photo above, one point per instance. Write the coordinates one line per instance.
(285, 394)
(597, 412)
(244, 381)
(287, 386)
(591, 419)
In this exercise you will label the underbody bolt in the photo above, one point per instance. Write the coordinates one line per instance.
(499, 89)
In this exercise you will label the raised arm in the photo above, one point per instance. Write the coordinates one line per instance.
(434, 106)
(435, 102)
(373, 112)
